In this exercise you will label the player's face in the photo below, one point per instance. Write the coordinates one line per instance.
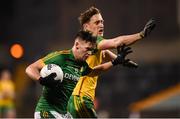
(95, 25)
(84, 49)
(5, 75)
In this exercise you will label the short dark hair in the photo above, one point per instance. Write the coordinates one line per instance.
(86, 15)
(86, 36)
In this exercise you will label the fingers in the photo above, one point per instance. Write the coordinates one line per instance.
(118, 49)
(127, 50)
(130, 64)
(123, 49)
(151, 24)
(126, 60)
(52, 75)
(133, 64)
(122, 53)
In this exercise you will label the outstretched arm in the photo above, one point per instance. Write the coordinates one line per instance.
(127, 39)
(119, 41)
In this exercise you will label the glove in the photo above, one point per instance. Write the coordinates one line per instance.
(120, 59)
(49, 80)
(130, 64)
(150, 25)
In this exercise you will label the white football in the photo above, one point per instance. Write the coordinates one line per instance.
(52, 68)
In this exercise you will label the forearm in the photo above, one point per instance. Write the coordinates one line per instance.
(33, 70)
(126, 39)
(108, 56)
(119, 41)
(101, 68)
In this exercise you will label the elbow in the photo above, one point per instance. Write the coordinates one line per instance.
(27, 70)
(107, 44)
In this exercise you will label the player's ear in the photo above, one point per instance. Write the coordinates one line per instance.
(85, 27)
(77, 44)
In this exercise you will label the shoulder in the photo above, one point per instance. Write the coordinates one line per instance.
(56, 55)
(99, 39)
(64, 52)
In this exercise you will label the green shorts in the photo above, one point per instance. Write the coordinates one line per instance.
(81, 107)
(5, 109)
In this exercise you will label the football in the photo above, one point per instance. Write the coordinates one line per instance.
(52, 68)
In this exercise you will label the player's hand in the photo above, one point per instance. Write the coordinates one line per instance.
(130, 64)
(49, 80)
(122, 53)
(150, 25)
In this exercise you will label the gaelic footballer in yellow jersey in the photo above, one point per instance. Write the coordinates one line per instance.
(7, 95)
(81, 101)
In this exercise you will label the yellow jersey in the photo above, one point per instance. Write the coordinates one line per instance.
(6, 89)
(86, 85)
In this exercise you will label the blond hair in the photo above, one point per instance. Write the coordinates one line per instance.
(86, 15)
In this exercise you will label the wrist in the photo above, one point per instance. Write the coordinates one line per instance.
(141, 34)
(40, 80)
(114, 62)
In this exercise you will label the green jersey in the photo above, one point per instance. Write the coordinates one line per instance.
(56, 98)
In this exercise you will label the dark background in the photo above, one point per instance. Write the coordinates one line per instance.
(43, 26)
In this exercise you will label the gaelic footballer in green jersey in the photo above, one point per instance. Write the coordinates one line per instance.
(53, 101)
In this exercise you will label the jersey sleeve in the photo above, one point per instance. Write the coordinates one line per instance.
(99, 39)
(50, 58)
